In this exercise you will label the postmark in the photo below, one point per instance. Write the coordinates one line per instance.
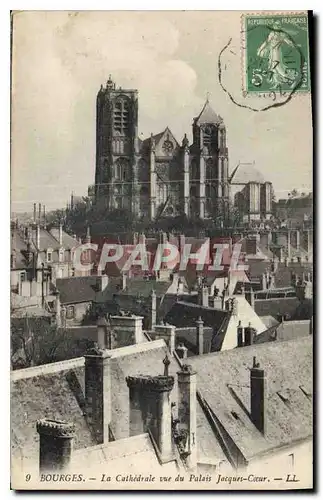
(275, 53)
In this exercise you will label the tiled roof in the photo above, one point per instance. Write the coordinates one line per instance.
(185, 314)
(229, 397)
(77, 289)
(46, 240)
(187, 336)
(246, 172)
(145, 287)
(68, 242)
(208, 115)
(287, 330)
(277, 307)
(126, 454)
(56, 391)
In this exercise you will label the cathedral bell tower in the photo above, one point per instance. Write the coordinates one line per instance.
(211, 155)
(116, 176)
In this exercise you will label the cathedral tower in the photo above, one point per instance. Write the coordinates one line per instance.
(209, 163)
(116, 147)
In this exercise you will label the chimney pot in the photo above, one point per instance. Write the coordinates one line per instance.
(186, 383)
(200, 335)
(258, 396)
(55, 444)
(150, 410)
(98, 392)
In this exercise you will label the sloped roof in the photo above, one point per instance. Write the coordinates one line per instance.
(208, 115)
(187, 336)
(77, 289)
(287, 330)
(246, 172)
(68, 242)
(46, 240)
(145, 287)
(157, 138)
(126, 454)
(285, 423)
(276, 307)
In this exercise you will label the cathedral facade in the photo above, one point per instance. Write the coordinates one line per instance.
(158, 176)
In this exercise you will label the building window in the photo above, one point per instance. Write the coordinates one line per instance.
(49, 255)
(70, 312)
(23, 276)
(61, 255)
(121, 116)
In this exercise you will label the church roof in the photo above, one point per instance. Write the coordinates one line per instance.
(208, 115)
(246, 172)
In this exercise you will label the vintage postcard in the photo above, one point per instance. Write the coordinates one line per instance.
(161, 250)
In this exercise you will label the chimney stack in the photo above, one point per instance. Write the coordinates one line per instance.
(98, 393)
(200, 335)
(35, 213)
(44, 211)
(55, 444)
(150, 410)
(181, 351)
(103, 332)
(60, 232)
(186, 379)
(88, 235)
(127, 328)
(248, 335)
(38, 236)
(239, 335)
(39, 213)
(168, 333)
(124, 281)
(258, 396)
(153, 300)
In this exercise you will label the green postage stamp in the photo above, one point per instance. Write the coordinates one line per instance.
(276, 53)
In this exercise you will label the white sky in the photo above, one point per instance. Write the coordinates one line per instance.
(61, 59)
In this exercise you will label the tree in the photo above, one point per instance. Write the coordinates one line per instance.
(34, 341)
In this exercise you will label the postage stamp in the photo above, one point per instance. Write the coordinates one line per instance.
(276, 53)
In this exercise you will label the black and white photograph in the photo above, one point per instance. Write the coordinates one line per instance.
(161, 252)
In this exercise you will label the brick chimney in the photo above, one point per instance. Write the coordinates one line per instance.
(203, 296)
(103, 334)
(35, 213)
(123, 281)
(239, 335)
(150, 410)
(60, 234)
(258, 396)
(127, 328)
(38, 236)
(98, 393)
(200, 335)
(181, 351)
(168, 333)
(186, 379)
(248, 335)
(55, 444)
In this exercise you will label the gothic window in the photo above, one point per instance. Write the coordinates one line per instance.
(121, 116)
(210, 137)
(194, 173)
(168, 147)
(61, 255)
(209, 169)
(121, 169)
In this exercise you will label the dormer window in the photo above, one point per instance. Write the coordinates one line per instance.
(49, 255)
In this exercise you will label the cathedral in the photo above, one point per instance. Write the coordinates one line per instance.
(158, 176)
